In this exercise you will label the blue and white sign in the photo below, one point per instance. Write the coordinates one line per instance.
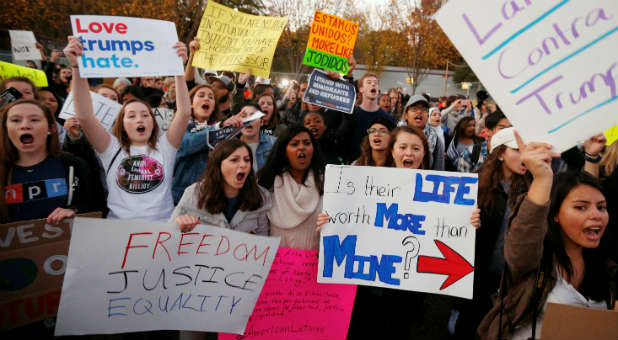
(399, 228)
(337, 95)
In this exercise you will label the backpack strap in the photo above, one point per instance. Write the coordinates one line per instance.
(476, 153)
(112, 162)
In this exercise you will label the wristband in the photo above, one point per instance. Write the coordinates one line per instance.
(592, 159)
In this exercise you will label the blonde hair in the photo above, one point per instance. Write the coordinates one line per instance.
(610, 159)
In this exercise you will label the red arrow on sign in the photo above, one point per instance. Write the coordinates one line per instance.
(453, 265)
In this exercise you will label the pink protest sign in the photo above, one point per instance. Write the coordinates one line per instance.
(293, 305)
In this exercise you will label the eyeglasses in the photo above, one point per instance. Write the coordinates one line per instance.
(418, 109)
(377, 131)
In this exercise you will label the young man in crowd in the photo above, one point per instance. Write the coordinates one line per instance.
(417, 114)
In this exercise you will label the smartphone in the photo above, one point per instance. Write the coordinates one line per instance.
(9, 95)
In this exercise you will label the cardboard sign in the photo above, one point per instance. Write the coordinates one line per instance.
(23, 45)
(106, 110)
(8, 70)
(547, 63)
(331, 42)
(126, 47)
(337, 95)
(164, 117)
(611, 135)
(127, 276)
(294, 306)
(33, 258)
(234, 41)
(215, 137)
(579, 323)
(399, 228)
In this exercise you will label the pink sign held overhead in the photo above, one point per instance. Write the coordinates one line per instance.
(293, 305)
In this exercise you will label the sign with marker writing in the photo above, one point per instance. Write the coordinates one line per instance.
(126, 276)
(33, 257)
(331, 42)
(23, 45)
(399, 228)
(104, 109)
(337, 95)
(234, 41)
(294, 306)
(164, 117)
(8, 70)
(550, 65)
(126, 47)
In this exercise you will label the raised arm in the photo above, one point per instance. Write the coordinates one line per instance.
(194, 46)
(592, 149)
(95, 132)
(183, 103)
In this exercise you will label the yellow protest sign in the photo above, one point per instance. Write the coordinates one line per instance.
(235, 41)
(331, 42)
(611, 135)
(8, 70)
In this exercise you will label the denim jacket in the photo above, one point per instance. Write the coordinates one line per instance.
(265, 144)
(191, 160)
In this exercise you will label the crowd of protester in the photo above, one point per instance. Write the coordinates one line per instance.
(546, 223)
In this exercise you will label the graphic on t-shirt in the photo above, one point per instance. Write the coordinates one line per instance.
(139, 174)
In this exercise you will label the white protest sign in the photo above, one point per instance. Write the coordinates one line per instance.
(127, 276)
(163, 117)
(215, 137)
(23, 45)
(104, 109)
(399, 228)
(126, 47)
(552, 66)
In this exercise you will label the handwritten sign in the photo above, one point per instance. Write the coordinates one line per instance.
(8, 70)
(611, 135)
(33, 257)
(294, 306)
(163, 117)
(126, 276)
(235, 41)
(399, 228)
(215, 137)
(331, 42)
(337, 95)
(106, 110)
(547, 63)
(126, 47)
(23, 45)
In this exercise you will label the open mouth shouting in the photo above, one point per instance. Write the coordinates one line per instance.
(141, 129)
(241, 176)
(408, 163)
(593, 233)
(302, 158)
(26, 139)
(377, 141)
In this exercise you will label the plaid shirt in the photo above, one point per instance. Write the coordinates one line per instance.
(464, 163)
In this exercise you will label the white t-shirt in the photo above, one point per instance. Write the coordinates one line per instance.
(140, 184)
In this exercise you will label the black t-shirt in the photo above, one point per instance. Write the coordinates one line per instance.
(36, 191)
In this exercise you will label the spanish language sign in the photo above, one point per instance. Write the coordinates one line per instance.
(399, 228)
(331, 42)
(235, 41)
(550, 65)
(104, 109)
(126, 276)
(126, 47)
(23, 45)
(337, 95)
(215, 137)
(294, 306)
(8, 70)
(33, 256)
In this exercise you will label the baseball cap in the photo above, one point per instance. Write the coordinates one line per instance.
(417, 98)
(504, 137)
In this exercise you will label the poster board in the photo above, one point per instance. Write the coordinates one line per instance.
(106, 110)
(337, 95)
(8, 70)
(234, 41)
(116, 46)
(546, 63)
(23, 45)
(293, 305)
(399, 228)
(331, 42)
(129, 275)
(579, 323)
(164, 117)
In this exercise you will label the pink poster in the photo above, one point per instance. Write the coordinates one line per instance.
(294, 306)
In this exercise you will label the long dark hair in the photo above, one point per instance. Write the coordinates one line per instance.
(596, 277)
(413, 131)
(366, 157)
(491, 176)
(459, 130)
(210, 192)
(215, 116)
(277, 162)
(274, 118)
(9, 155)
